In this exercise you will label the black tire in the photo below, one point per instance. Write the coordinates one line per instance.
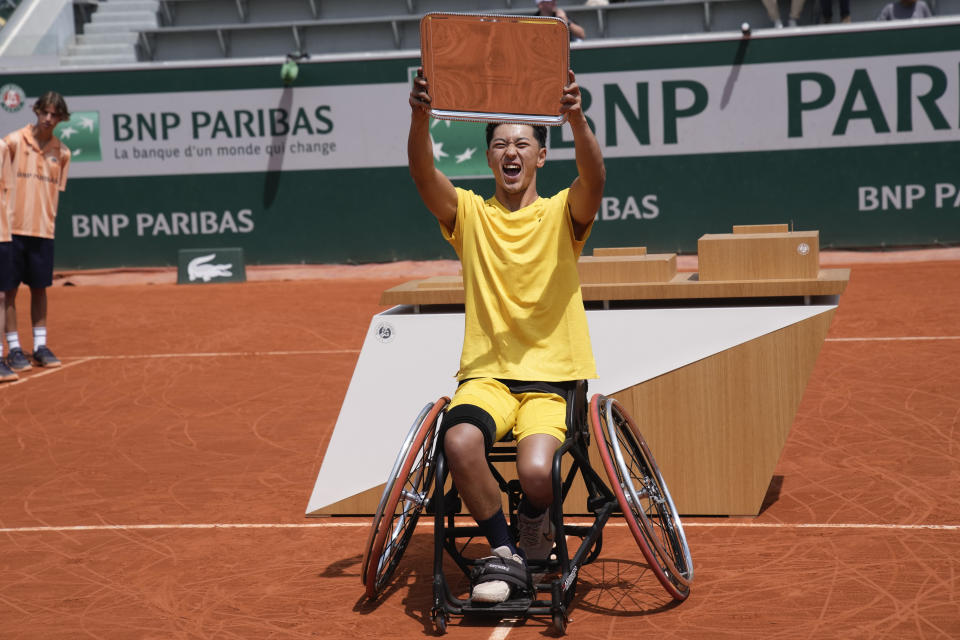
(559, 623)
(404, 497)
(643, 495)
(440, 621)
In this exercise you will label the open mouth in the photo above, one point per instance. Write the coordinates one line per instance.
(511, 170)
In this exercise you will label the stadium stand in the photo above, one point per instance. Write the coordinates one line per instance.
(34, 34)
(191, 29)
(128, 31)
(112, 33)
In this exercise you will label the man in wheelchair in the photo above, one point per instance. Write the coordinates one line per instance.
(525, 337)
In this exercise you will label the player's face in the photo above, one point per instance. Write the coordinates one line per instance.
(48, 118)
(548, 7)
(514, 156)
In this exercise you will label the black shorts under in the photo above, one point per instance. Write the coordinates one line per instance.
(31, 261)
(6, 266)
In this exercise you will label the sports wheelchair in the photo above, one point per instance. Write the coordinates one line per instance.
(419, 482)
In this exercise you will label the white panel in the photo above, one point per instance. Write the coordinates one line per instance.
(634, 345)
(396, 375)
(409, 359)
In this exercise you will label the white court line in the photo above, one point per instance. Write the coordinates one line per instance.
(75, 360)
(325, 524)
(223, 354)
(345, 351)
(826, 525)
(227, 354)
(503, 629)
(308, 352)
(903, 338)
(45, 372)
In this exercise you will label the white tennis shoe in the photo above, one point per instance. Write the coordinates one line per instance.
(496, 591)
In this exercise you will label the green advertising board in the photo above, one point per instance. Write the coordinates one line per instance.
(854, 131)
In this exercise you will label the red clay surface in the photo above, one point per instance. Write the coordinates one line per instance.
(212, 405)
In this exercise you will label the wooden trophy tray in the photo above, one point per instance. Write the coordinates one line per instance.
(495, 68)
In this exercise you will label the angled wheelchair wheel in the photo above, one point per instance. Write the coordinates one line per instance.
(404, 497)
(643, 495)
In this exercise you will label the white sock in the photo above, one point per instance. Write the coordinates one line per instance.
(13, 340)
(39, 337)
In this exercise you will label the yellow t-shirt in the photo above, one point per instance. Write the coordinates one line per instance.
(39, 175)
(524, 316)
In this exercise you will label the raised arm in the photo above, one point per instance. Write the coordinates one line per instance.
(575, 30)
(587, 188)
(436, 190)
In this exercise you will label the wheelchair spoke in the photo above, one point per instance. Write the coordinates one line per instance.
(405, 495)
(643, 496)
(413, 498)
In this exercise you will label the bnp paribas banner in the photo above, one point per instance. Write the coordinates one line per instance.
(852, 130)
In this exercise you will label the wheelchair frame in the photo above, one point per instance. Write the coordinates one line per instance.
(636, 489)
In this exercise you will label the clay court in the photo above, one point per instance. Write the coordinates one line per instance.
(155, 485)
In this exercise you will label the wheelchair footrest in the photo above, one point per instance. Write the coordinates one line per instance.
(512, 606)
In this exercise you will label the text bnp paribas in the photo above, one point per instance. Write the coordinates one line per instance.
(240, 132)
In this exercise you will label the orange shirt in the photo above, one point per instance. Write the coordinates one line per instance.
(39, 175)
(6, 179)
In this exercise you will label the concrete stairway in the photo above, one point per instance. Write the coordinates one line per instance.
(111, 35)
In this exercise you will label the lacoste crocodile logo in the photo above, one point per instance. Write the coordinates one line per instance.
(198, 269)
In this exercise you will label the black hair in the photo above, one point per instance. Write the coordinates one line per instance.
(55, 100)
(539, 132)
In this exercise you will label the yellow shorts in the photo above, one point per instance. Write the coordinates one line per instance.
(523, 409)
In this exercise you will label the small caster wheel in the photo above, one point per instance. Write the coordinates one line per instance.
(440, 621)
(559, 623)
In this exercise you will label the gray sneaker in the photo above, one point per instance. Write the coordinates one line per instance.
(535, 535)
(17, 360)
(45, 358)
(6, 373)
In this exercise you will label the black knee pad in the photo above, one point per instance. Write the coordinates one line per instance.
(471, 414)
